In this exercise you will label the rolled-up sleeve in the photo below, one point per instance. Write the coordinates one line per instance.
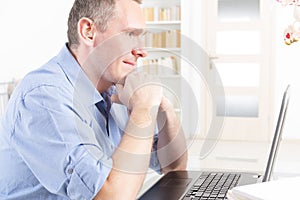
(85, 174)
(58, 145)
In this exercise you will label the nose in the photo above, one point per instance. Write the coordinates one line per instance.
(138, 52)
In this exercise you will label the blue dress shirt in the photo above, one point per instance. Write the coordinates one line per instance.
(53, 140)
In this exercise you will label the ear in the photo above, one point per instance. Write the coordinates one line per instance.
(86, 31)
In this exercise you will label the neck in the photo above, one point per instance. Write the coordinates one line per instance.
(103, 85)
(90, 68)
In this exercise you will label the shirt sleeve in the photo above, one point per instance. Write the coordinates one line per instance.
(154, 162)
(49, 135)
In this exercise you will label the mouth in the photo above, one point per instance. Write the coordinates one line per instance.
(131, 63)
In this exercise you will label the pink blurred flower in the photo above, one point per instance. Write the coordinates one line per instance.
(292, 32)
(288, 2)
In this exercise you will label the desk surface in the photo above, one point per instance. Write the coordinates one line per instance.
(241, 156)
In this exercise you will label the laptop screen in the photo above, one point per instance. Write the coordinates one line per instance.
(277, 136)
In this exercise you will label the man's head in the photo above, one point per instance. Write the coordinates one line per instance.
(100, 11)
(104, 37)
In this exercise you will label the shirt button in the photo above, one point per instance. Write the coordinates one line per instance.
(70, 171)
(112, 146)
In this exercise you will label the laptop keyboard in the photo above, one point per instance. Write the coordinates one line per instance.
(211, 186)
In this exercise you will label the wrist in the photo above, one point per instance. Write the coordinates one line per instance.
(143, 116)
(142, 122)
(166, 105)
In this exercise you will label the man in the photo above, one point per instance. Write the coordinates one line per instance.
(83, 125)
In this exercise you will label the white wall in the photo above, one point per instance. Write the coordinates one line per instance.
(32, 32)
(287, 59)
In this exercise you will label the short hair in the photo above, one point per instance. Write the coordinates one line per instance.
(100, 11)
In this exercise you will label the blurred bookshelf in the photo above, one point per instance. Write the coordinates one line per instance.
(163, 44)
(167, 10)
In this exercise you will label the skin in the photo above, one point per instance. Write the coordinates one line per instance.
(146, 104)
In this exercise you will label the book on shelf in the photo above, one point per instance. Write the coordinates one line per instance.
(157, 13)
(163, 39)
(163, 66)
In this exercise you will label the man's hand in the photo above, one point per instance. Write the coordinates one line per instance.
(172, 149)
(140, 91)
(142, 95)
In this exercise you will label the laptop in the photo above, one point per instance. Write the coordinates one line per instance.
(213, 184)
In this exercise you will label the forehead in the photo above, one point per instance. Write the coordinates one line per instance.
(129, 14)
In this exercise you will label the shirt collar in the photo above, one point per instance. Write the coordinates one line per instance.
(84, 90)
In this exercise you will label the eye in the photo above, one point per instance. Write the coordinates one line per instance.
(144, 33)
(131, 33)
(136, 33)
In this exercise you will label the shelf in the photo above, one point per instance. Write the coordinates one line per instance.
(165, 3)
(177, 110)
(163, 23)
(175, 76)
(162, 52)
(163, 44)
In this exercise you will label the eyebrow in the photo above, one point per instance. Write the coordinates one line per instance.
(136, 31)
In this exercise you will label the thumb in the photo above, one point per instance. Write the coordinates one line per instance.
(119, 88)
(122, 96)
(115, 99)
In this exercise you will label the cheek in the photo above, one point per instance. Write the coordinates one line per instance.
(116, 71)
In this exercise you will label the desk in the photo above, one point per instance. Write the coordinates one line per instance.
(241, 156)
